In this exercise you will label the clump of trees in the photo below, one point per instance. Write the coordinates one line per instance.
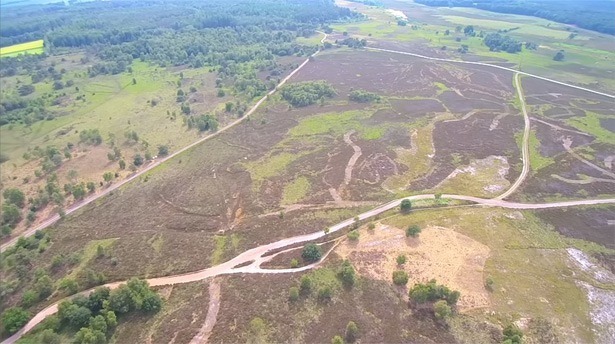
(431, 292)
(362, 96)
(352, 42)
(203, 122)
(307, 93)
(497, 42)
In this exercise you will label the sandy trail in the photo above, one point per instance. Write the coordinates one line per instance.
(568, 143)
(353, 159)
(212, 313)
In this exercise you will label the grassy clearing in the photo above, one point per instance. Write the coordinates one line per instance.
(537, 160)
(527, 264)
(224, 246)
(34, 47)
(272, 166)
(481, 178)
(295, 190)
(590, 123)
(89, 252)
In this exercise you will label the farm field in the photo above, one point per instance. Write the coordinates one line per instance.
(402, 169)
(34, 47)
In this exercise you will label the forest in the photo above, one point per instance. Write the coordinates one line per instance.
(237, 38)
(594, 15)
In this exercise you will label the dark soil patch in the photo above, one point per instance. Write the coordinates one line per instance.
(416, 107)
(457, 142)
(608, 124)
(591, 224)
(551, 138)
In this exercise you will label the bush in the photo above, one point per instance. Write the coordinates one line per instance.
(14, 196)
(311, 253)
(512, 335)
(293, 294)
(400, 277)
(489, 283)
(353, 235)
(413, 231)
(325, 294)
(294, 263)
(305, 284)
(401, 259)
(442, 310)
(352, 332)
(337, 340)
(347, 274)
(14, 318)
(362, 96)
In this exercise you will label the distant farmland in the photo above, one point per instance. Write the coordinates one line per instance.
(34, 47)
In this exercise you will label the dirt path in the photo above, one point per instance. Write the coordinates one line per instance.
(557, 127)
(212, 313)
(525, 144)
(76, 206)
(353, 159)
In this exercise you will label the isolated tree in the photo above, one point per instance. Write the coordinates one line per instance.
(405, 206)
(559, 56)
(138, 160)
(400, 277)
(347, 274)
(413, 231)
(91, 186)
(122, 164)
(163, 150)
(311, 253)
(401, 259)
(352, 332)
(14, 318)
(14, 196)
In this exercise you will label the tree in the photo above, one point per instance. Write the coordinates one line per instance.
(68, 285)
(44, 286)
(29, 298)
(325, 294)
(347, 274)
(48, 336)
(405, 206)
(14, 196)
(79, 191)
(163, 150)
(400, 277)
(122, 164)
(98, 323)
(293, 294)
(111, 319)
(401, 259)
(88, 336)
(138, 160)
(121, 301)
(311, 253)
(14, 318)
(152, 302)
(352, 332)
(413, 231)
(512, 334)
(559, 56)
(10, 214)
(442, 310)
(221, 93)
(337, 340)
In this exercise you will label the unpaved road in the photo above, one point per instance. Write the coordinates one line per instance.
(212, 313)
(255, 257)
(525, 145)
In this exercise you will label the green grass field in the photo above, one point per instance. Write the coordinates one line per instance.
(34, 47)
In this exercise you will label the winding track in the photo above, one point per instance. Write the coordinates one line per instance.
(255, 257)
(525, 145)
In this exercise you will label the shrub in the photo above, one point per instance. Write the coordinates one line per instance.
(293, 294)
(430, 292)
(347, 274)
(305, 284)
(294, 263)
(337, 340)
(325, 294)
(352, 332)
(512, 334)
(400, 277)
(362, 96)
(401, 259)
(405, 206)
(353, 235)
(413, 231)
(442, 310)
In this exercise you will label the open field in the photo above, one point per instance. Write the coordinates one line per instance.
(34, 47)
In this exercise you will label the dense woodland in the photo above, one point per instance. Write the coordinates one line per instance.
(594, 15)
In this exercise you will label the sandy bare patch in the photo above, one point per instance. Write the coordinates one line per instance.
(441, 253)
